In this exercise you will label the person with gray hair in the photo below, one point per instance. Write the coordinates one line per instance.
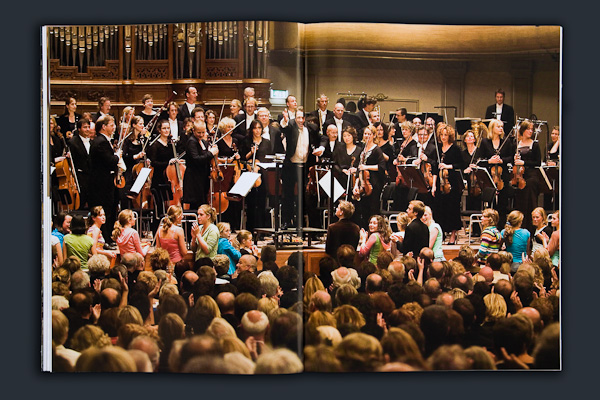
(269, 283)
(344, 275)
(149, 346)
(396, 269)
(278, 361)
(79, 280)
(254, 328)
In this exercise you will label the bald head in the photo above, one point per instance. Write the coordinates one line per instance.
(396, 269)
(247, 262)
(374, 283)
(321, 301)
(255, 323)
(226, 302)
(534, 316)
(109, 298)
(187, 280)
(445, 299)
(488, 274)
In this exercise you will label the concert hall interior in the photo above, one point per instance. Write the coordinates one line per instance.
(187, 183)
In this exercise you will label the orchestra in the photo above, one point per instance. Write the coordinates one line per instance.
(446, 160)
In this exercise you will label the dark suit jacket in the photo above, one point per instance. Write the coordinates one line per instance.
(291, 133)
(96, 115)
(328, 115)
(361, 122)
(80, 156)
(328, 153)
(331, 121)
(196, 177)
(241, 132)
(342, 232)
(415, 238)
(508, 116)
(184, 112)
(103, 165)
(276, 138)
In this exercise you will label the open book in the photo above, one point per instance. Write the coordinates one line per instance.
(105, 96)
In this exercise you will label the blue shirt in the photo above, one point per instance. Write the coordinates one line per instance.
(519, 243)
(225, 247)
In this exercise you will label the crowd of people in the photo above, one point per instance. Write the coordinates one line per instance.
(383, 300)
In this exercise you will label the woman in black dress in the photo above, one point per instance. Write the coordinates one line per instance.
(346, 158)
(382, 140)
(256, 148)
(371, 160)
(407, 152)
(447, 199)
(229, 154)
(160, 154)
(68, 121)
(529, 156)
(133, 150)
(497, 152)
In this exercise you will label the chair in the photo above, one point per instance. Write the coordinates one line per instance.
(393, 219)
(186, 223)
(387, 199)
(474, 216)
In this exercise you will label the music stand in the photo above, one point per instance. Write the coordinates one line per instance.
(484, 179)
(464, 124)
(552, 173)
(136, 188)
(242, 187)
(413, 175)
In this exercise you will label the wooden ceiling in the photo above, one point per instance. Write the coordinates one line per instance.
(425, 41)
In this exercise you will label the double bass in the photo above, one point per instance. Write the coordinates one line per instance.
(68, 185)
(174, 174)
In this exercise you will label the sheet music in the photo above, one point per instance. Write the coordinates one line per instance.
(245, 183)
(140, 180)
(325, 183)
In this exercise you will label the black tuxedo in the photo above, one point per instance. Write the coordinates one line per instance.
(508, 116)
(361, 122)
(103, 165)
(342, 232)
(328, 115)
(331, 121)
(82, 162)
(276, 139)
(184, 112)
(416, 237)
(241, 132)
(196, 177)
(296, 173)
(328, 153)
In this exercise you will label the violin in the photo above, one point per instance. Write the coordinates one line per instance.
(237, 166)
(518, 181)
(474, 188)
(496, 172)
(445, 185)
(427, 174)
(399, 178)
(67, 180)
(119, 178)
(217, 199)
(253, 168)
(144, 198)
(174, 174)
(364, 184)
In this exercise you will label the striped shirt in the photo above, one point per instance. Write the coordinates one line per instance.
(490, 242)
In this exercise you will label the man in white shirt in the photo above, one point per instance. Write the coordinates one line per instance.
(337, 120)
(185, 111)
(103, 108)
(501, 111)
(271, 130)
(322, 114)
(291, 105)
(79, 147)
(303, 144)
(242, 129)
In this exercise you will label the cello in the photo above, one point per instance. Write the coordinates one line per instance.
(119, 178)
(174, 174)
(68, 185)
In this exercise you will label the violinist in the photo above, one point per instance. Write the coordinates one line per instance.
(271, 131)
(347, 156)
(103, 166)
(382, 140)
(373, 162)
(242, 129)
(448, 185)
(133, 151)
(160, 154)
(198, 155)
(228, 156)
(68, 120)
(256, 148)
(211, 122)
(529, 156)
(498, 151)
(426, 153)
(407, 152)
(148, 113)
(553, 159)
(470, 155)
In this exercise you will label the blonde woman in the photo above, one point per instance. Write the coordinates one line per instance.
(170, 235)
(205, 234)
(436, 235)
(515, 239)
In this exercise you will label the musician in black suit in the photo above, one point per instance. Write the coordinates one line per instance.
(501, 111)
(322, 114)
(339, 119)
(427, 151)
(362, 119)
(271, 131)
(291, 105)
(331, 141)
(301, 139)
(185, 110)
(343, 231)
(103, 165)
(79, 146)
(177, 133)
(103, 109)
(197, 157)
(241, 132)
(416, 235)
